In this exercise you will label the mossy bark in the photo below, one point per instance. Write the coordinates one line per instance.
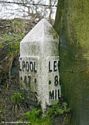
(73, 27)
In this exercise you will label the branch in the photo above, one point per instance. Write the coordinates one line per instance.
(26, 4)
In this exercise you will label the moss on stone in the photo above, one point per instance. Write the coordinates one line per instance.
(53, 33)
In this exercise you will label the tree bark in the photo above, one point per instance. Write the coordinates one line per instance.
(72, 24)
(58, 18)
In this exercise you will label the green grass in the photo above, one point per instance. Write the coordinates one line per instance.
(36, 117)
(12, 36)
(17, 98)
(13, 42)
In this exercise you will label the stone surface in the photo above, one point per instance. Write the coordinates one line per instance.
(39, 63)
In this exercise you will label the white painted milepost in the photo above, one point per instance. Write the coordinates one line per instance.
(39, 63)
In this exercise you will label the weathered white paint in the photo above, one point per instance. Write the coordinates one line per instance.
(39, 59)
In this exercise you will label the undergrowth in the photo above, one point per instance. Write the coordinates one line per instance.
(36, 117)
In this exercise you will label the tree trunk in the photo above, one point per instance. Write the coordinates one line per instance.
(72, 24)
(58, 18)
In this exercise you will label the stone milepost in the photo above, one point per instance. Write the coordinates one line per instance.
(39, 63)
(53, 79)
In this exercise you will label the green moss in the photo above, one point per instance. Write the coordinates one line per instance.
(74, 58)
(53, 33)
